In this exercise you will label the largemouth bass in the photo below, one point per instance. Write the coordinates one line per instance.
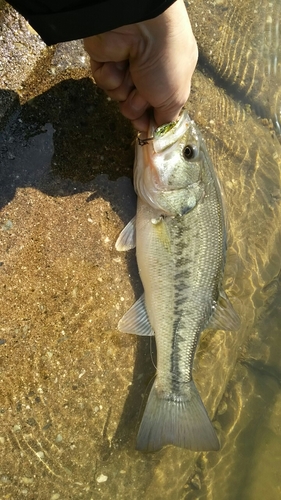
(180, 237)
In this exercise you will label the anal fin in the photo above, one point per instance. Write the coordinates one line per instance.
(136, 320)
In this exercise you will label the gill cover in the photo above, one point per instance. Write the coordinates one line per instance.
(165, 176)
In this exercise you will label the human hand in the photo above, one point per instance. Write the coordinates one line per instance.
(147, 65)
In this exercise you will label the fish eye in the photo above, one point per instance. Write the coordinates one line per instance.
(189, 152)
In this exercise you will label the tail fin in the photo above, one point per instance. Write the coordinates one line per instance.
(181, 421)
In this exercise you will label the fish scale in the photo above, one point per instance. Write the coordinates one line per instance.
(190, 273)
(180, 238)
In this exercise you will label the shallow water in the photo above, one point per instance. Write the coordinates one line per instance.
(72, 386)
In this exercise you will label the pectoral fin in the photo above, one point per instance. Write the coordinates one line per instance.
(127, 237)
(136, 320)
(224, 317)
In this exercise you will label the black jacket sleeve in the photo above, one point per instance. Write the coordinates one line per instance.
(64, 20)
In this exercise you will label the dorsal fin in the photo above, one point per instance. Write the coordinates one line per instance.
(224, 317)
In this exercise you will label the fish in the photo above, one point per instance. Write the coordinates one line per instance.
(180, 236)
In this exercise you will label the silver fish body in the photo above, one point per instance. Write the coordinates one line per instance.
(180, 238)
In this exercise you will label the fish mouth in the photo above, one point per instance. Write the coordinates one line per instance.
(151, 179)
(162, 137)
(168, 134)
